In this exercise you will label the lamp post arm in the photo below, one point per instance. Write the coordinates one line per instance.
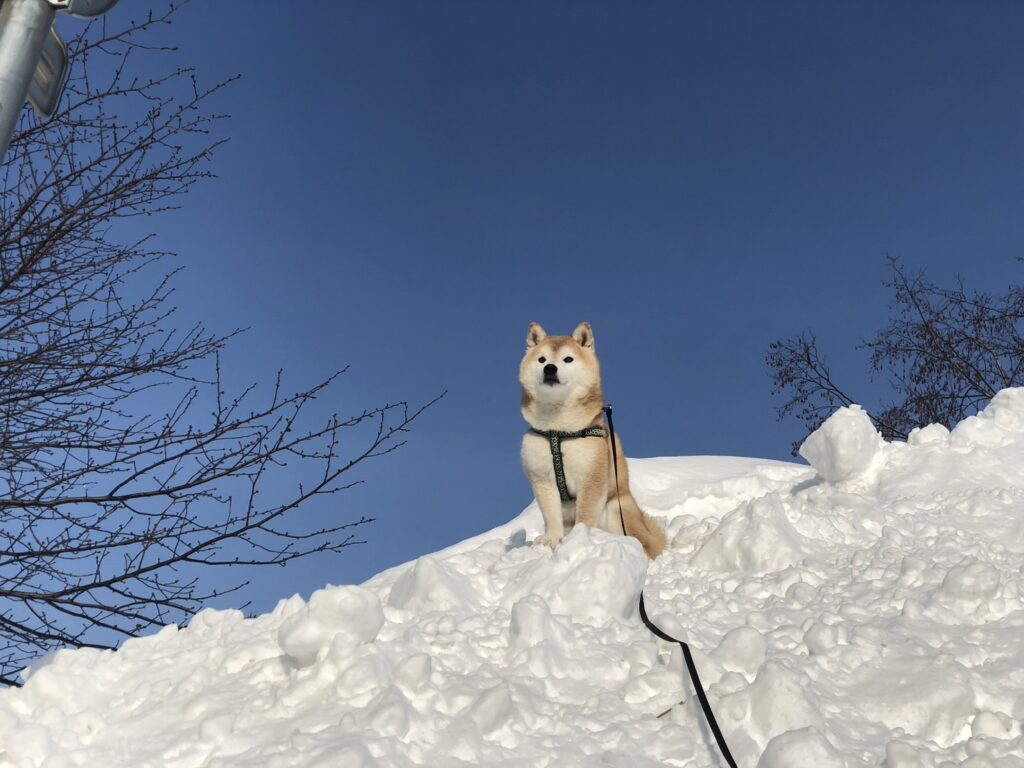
(24, 25)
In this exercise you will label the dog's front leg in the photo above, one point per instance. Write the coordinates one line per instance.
(550, 503)
(592, 495)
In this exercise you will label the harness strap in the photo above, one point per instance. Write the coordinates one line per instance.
(555, 439)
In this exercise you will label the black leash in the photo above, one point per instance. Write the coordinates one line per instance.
(701, 696)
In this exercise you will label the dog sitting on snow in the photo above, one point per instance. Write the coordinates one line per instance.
(567, 453)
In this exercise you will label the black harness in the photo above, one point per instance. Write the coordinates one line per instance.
(555, 438)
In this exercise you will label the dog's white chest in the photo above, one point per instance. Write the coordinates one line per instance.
(578, 459)
(537, 457)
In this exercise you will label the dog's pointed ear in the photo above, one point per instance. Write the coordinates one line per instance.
(584, 335)
(535, 335)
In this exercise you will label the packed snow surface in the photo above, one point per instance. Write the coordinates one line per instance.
(865, 611)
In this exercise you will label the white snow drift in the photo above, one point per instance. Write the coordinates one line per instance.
(867, 611)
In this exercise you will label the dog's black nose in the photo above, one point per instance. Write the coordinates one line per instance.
(550, 370)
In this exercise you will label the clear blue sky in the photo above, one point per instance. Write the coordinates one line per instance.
(408, 185)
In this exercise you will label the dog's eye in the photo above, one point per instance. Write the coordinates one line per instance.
(542, 360)
(567, 360)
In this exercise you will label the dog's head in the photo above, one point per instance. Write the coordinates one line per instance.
(557, 367)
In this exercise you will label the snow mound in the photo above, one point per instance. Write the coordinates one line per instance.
(845, 447)
(335, 619)
(804, 748)
(756, 536)
(431, 585)
(593, 577)
(865, 611)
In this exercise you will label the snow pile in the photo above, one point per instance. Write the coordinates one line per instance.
(845, 447)
(867, 611)
(335, 620)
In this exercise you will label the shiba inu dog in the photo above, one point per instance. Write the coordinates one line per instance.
(567, 452)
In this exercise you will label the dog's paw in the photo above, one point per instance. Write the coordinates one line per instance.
(547, 540)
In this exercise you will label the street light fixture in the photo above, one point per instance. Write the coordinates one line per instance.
(33, 57)
(87, 9)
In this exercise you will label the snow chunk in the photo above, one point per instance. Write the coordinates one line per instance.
(31, 746)
(933, 434)
(390, 713)
(756, 536)
(432, 585)
(806, 748)
(1003, 417)
(602, 584)
(1007, 409)
(593, 577)
(492, 708)
(929, 700)
(413, 673)
(780, 702)
(820, 638)
(335, 616)
(533, 624)
(994, 724)
(845, 447)
(971, 581)
(742, 649)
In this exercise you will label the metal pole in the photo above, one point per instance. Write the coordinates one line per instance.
(24, 25)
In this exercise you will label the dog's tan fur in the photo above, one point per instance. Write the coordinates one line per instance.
(574, 404)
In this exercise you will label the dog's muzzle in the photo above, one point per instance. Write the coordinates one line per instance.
(551, 374)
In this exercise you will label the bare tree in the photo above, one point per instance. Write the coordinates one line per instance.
(944, 353)
(126, 470)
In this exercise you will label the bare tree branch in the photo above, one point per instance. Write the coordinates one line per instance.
(945, 353)
(126, 469)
